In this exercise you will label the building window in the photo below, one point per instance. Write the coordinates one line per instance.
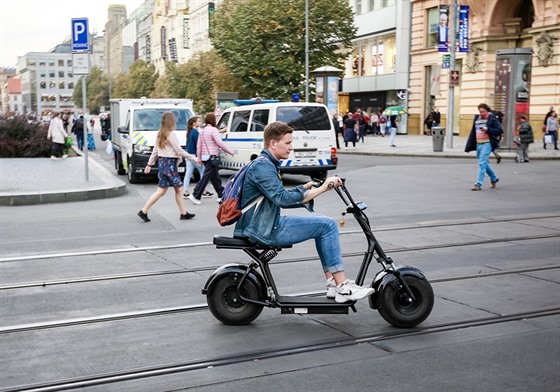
(42, 63)
(61, 63)
(163, 43)
(68, 63)
(374, 56)
(43, 74)
(51, 63)
(70, 75)
(432, 27)
(358, 7)
(30, 63)
(51, 74)
(60, 74)
(61, 85)
(52, 84)
(70, 85)
(43, 85)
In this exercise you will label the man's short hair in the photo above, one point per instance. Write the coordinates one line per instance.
(484, 106)
(276, 131)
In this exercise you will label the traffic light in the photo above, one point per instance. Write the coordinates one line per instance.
(211, 8)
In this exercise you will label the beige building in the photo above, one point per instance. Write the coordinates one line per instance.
(494, 25)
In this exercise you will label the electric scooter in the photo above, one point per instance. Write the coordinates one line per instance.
(237, 293)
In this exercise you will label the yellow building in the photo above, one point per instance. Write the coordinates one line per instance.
(493, 25)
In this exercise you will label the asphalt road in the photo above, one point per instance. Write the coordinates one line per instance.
(93, 297)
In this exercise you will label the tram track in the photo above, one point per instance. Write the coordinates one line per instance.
(417, 226)
(146, 274)
(161, 370)
(203, 307)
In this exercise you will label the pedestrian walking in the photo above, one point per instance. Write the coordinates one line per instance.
(382, 124)
(192, 138)
(393, 124)
(168, 152)
(78, 130)
(57, 135)
(350, 130)
(552, 130)
(523, 137)
(208, 151)
(483, 138)
(90, 139)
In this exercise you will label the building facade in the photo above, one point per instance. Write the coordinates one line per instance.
(495, 26)
(376, 71)
(47, 82)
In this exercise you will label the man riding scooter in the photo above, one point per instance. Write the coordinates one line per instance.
(266, 226)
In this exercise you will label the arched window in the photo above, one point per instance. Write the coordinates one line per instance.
(526, 12)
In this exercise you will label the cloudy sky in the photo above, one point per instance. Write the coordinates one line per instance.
(39, 25)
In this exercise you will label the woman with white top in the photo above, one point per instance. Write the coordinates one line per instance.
(169, 152)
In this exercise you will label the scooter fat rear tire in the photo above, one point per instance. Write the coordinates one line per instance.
(395, 308)
(226, 305)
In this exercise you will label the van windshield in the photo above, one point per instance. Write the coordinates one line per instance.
(150, 119)
(304, 118)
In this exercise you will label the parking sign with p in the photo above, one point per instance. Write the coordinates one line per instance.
(80, 35)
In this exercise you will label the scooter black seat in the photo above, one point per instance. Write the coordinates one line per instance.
(240, 243)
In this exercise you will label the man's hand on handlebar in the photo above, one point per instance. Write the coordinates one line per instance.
(315, 188)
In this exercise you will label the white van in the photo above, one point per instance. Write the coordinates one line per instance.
(314, 138)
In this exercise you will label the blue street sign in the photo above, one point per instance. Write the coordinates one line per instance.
(80, 35)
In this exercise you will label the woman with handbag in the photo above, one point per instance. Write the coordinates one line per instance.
(57, 135)
(208, 151)
(168, 152)
(551, 130)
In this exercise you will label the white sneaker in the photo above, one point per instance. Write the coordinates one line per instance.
(194, 200)
(65, 156)
(53, 158)
(350, 291)
(331, 288)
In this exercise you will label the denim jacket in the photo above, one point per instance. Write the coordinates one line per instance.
(262, 178)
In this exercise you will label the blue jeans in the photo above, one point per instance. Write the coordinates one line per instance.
(483, 152)
(191, 165)
(295, 229)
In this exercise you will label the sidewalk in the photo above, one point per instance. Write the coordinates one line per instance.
(25, 181)
(422, 146)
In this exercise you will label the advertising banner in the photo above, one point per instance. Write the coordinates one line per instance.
(464, 28)
(443, 28)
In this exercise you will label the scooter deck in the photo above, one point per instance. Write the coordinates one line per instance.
(312, 305)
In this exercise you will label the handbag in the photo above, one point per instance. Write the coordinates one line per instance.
(68, 142)
(547, 139)
(215, 160)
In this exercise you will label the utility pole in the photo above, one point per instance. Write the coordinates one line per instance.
(451, 92)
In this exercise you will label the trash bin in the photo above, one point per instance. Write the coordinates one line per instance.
(438, 134)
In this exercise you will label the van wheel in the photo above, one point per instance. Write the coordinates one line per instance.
(133, 178)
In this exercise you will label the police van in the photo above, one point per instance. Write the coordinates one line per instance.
(314, 139)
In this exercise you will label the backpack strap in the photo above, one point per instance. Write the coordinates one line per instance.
(257, 202)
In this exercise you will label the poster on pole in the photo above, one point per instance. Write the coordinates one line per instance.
(464, 28)
(443, 28)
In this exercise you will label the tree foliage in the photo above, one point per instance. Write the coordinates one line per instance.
(263, 43)
(140, 81)
(199, 79)
(97, 91)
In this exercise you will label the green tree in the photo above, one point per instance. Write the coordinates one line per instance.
(199, 79)
(263, 43)
(97, 91)
(140, 81)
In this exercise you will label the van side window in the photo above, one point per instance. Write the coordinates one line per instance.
(240, 121)
(224, 119)
(308, 118)
(260, 119)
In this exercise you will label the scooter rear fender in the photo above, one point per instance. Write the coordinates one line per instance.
(238, 269)
(385, 278)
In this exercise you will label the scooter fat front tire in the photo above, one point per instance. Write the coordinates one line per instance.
(228, 307)
(398, 311)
